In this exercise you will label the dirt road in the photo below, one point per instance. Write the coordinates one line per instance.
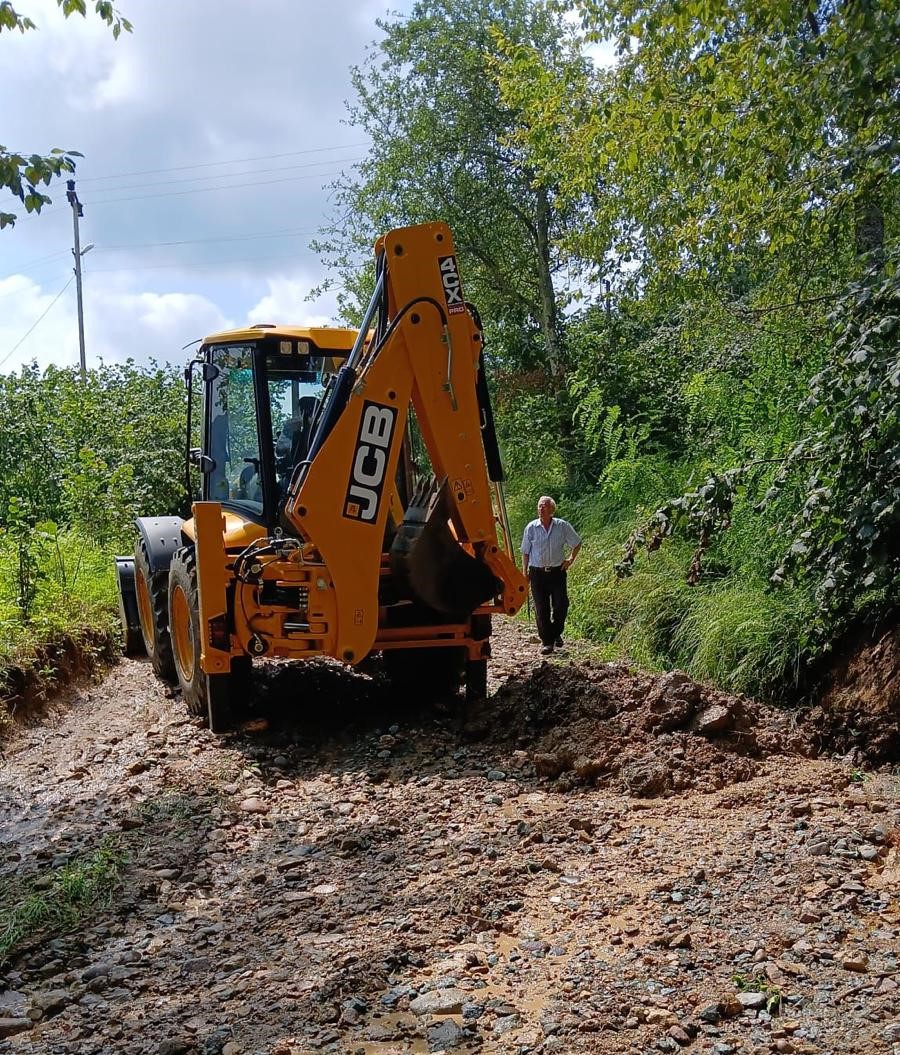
(600, 862)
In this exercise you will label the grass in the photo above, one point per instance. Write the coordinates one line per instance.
(170, 807)
(759, 984)
(75, 590)
(731, 630)
(742, 637)
(55, 903)
(75, 596)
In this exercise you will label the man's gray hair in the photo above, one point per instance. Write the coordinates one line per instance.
(547, 498)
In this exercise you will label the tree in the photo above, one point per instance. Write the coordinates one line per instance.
(728, 131)
(92, 453)
(24, 174)
(441, 148)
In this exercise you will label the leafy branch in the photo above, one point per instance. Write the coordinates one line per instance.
(23, 174)
(845, 536)
(700, 514)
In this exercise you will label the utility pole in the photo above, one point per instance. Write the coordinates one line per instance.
(77, 212)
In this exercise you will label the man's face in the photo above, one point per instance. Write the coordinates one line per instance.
(545, 510)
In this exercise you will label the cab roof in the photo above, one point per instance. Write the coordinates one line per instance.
(325, 338)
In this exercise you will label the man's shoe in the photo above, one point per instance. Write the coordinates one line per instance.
(558, 643)
(546, 650)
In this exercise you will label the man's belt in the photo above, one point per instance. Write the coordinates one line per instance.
(553, 567)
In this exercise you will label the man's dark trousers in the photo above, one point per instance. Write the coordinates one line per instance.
(551, 602)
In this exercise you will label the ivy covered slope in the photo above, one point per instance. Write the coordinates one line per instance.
(685, 255)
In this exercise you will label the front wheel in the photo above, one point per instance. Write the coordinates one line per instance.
(184, 627)
(476, 681)
(418, 673)
(210, 696)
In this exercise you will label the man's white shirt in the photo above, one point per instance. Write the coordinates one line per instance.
(546, 547)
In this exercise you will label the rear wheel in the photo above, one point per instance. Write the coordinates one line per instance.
(425, 672)
(476, 681)
(133, 639)
(210, 696)
(151, 588)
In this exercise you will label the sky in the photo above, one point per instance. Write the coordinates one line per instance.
(210, 135)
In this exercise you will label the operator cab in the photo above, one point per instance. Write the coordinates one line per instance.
(262, 391)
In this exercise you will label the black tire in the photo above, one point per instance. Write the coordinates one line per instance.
(184, 621)
(476, 681)
(241, 677)
(420, 672)
(227, 694)
(213, 697)
(152, 589)
(133, 642)
(132, 637)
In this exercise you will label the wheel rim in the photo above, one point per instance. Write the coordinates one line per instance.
(145, 608)
(182, 630)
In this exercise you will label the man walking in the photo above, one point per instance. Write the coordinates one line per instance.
(544, 554)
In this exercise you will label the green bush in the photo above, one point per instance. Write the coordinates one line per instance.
(75, 591)
(78, 461)
(733, 631)
(92, 454)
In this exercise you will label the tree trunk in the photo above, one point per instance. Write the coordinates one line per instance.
(870, 231)
(548, 315)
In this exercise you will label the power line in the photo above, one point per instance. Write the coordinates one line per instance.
(206, 190)
(187, 266)
(41, 260)
(155, 245)
(14, 199)
(198, 241)
(233, 161)
(183, 265)
(40, 317)
(55, 206)
(213, 175)
(234, 175)
(36, 265)
(18, 292)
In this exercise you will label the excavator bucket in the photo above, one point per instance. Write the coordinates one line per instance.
(429, 561)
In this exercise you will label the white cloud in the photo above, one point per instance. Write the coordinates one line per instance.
(195, 90)
(157, 326)
(119, 324)
(52, 320)
(603, 55)
(123, 84)
(286, 303)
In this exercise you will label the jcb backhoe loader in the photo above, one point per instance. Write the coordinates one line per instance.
(351, 497)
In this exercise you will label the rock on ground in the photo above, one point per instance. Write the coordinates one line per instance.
(599, 861)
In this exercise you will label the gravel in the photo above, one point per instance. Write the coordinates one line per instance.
(600, 862)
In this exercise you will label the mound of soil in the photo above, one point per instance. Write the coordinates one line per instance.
(603, 724)
(858, 711)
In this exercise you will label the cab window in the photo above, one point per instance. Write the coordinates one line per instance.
(233, 434)
(295, 386)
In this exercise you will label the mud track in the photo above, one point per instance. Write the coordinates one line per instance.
(598, 862)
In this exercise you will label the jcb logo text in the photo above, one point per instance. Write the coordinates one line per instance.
(370, 461)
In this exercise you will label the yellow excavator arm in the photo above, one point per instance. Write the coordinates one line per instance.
(425, 353)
